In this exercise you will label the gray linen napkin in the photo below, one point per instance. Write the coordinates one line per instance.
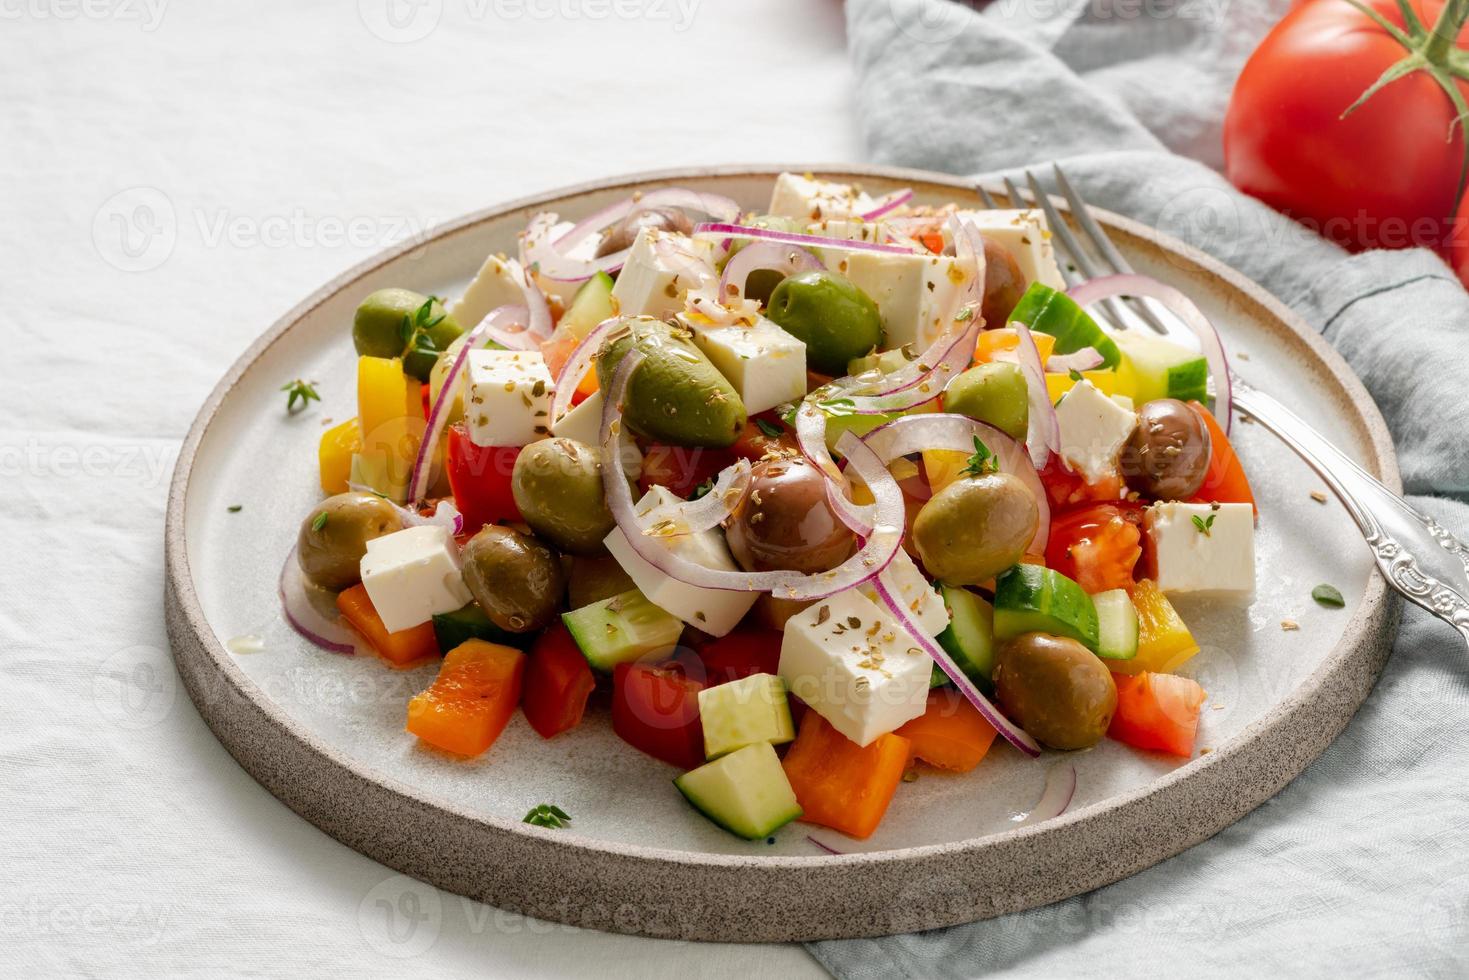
(1361, 862)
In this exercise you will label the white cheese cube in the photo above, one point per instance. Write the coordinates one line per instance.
(766, 365)
(412, 575)
(660, 270)
(916, 592)
(1025, 235)
(1204, 549)
(1093, 430)
(715, 611)
(508, 397)
(496, 284)
(850, 662)
(911, 291)
(848, 229)
(583, 423)
(807, 199)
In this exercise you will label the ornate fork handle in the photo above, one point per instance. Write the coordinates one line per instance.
(1418, 556)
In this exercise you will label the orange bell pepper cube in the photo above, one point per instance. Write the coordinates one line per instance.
(405, 648)
(840, 784)
(951, 733)
(1224, 481)
(469, 703)
(1157, 711)
(1005, 338)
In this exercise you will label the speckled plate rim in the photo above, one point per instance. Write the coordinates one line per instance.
(564, 876)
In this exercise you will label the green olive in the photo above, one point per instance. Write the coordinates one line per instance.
(1056, 689)
(975, 528)
(557, 485)
(334, 537)
(785, 522)
(994, 393)
(516, 579)
(594, 579)
(836, 320)
(395, 323)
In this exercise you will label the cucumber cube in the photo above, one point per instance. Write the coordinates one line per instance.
(1163, 369)
(623, 628)
(1035, 599)
(746, 792)
(743, 712)
(471, 623)
(970, 638)
(1116, 625)
(1051, 311)
(591, 305)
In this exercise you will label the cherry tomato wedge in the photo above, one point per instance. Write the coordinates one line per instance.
(479, 476)
(681, 468)
(1224, 481)
(1157, 711)
(1066, 488)
(655, 709)
(746, 651)
(763, 434)
(1097, 545)
(558, 682)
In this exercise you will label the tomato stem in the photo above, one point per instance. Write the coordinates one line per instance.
(1446, 31)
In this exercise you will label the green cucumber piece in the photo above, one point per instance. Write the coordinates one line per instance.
(886, 362)
(1051, 311)
(590, 306)
(970, 636)
(743, 712)
(1035, 599)
(625, 627)
(746, 792)
(471, 623)
(1163, 369)
(1116, 625)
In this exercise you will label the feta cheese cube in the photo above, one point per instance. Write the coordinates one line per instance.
(1203, 549)
(1093, 430)
(766, 365)
(911, 291)
(412, 575)
(660, 270)
(848, 229)
(917, 592)
(509, 397)
(848, 660)
(1023, 233)
(807, 199)
(715, 611)
(583, 423)
(496, 284)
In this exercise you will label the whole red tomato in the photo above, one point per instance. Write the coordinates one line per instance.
(1386, 175)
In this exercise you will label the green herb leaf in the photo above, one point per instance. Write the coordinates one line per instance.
(964, 314)
(982, 462)
(702, 489)
(548, 815)
(1328, 595)
(788, 414)
(1203, 526)
(299, 391)
(235, 508)
(1076, 376)
(771, 430)
(838, 407)
(320, 522)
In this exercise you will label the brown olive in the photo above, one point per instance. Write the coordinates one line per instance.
(1056, 689)
(775, 613)
(1004, 284)
(1168, 453)
(557, 485)
(625, 232)
(334, 537)
(976, 527)
(785, 522)
(594, 579)
(516, 579)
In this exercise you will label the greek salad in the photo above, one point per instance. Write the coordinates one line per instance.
(798, 500)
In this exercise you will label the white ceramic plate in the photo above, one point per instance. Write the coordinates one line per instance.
(325, 732)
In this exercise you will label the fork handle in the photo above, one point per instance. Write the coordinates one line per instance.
(1396, 532)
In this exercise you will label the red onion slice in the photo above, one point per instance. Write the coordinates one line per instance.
(303, 616)
(710, 510)
(930, 383)
(1010, 731)
(445, 515)
(1043, 432)
(875, 554)
(1059, 790)
(892, 202)
(723, 231)
(1086, 359)
(785, 259)
(583, 358)
(956, 433)
(1095, 290)
(825, 847)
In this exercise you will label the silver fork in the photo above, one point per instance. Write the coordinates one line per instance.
(1416, 555)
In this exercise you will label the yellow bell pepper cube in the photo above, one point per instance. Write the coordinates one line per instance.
(1163, 641)
(338, 445)
(390, 415)
(1107, 382)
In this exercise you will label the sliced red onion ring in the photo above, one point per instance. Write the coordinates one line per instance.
(1043, 433)
(722, 231)
(956, 433)
(930, 383)
(893, 201)
(825, 847)
(710, 510)
(875, 554)
(1095, 290)
(1010, 731)
(1086, 359)
(304, 617)
(445, 515)
(785, 259)
(582, 360)
(1059, 790)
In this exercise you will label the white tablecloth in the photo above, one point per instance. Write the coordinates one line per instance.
(174, 176)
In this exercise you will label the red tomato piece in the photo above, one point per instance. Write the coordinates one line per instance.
(480, 479)
(558, 682)
(681, 468)
(1157, 711)
(655, 709)
(1097, 545)
(1224, 481)
(1066, 488)
(763, 434)
(748, 650)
